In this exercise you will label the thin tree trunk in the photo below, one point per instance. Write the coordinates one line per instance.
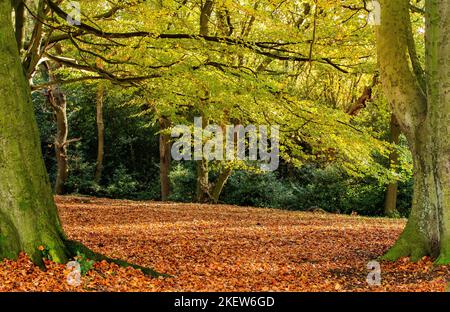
(220, 184)
(164, 157)
(19, 25)
(58, 103)
(205, 15)
(61, 145)
(100, 133)
(390, 203)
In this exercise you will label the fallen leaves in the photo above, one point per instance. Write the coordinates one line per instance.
(225, 248)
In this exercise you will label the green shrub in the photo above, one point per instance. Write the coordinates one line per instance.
(122, 184)
(85, 264)
(183, 182)
(259, 190)
(80, 179)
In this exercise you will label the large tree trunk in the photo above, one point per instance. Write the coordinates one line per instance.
(164, 157)
(100, 133)
(390, 203)
(28, 215)
(421, 104)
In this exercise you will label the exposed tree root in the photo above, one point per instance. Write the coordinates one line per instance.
(406, 247)
(76, 247)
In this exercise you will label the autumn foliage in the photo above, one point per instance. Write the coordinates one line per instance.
(225, 248)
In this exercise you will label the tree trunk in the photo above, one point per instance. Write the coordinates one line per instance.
(423, 233)
(423, 112)
(19, 26)
(58, 103)
(28, 215)
(220, 184)
(202, 190)
(164, 157)
(390, 203)
(100, 133)
(205, 15)
(61, 142)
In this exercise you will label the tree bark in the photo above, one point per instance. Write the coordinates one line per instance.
(205, 15)
(100, 133)
(202, 189)
(220, 184)
(164, 157)
(58, 103)
(19, 24)
(28, 215)
(423, 113)
(390, 203)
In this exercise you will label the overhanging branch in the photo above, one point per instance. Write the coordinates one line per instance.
(269, 49)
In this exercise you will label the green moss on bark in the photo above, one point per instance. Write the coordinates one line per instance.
(28, 214)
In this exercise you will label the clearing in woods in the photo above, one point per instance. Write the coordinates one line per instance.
(225, 248)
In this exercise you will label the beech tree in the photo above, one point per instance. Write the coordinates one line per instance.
(28, 215)
(420, 100)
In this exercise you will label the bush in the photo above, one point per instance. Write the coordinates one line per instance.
(259, 190)
(122, 184)
(80, 180)
(183, 182)
(334, 191)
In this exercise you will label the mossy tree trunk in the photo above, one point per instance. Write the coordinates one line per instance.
(28, 215)
(421, 103)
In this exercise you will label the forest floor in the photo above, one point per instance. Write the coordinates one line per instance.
(225, 248)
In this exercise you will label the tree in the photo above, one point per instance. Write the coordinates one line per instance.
(28, 215)
(164, 157)
(100, 132)
(58, 103)
(420, 100)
